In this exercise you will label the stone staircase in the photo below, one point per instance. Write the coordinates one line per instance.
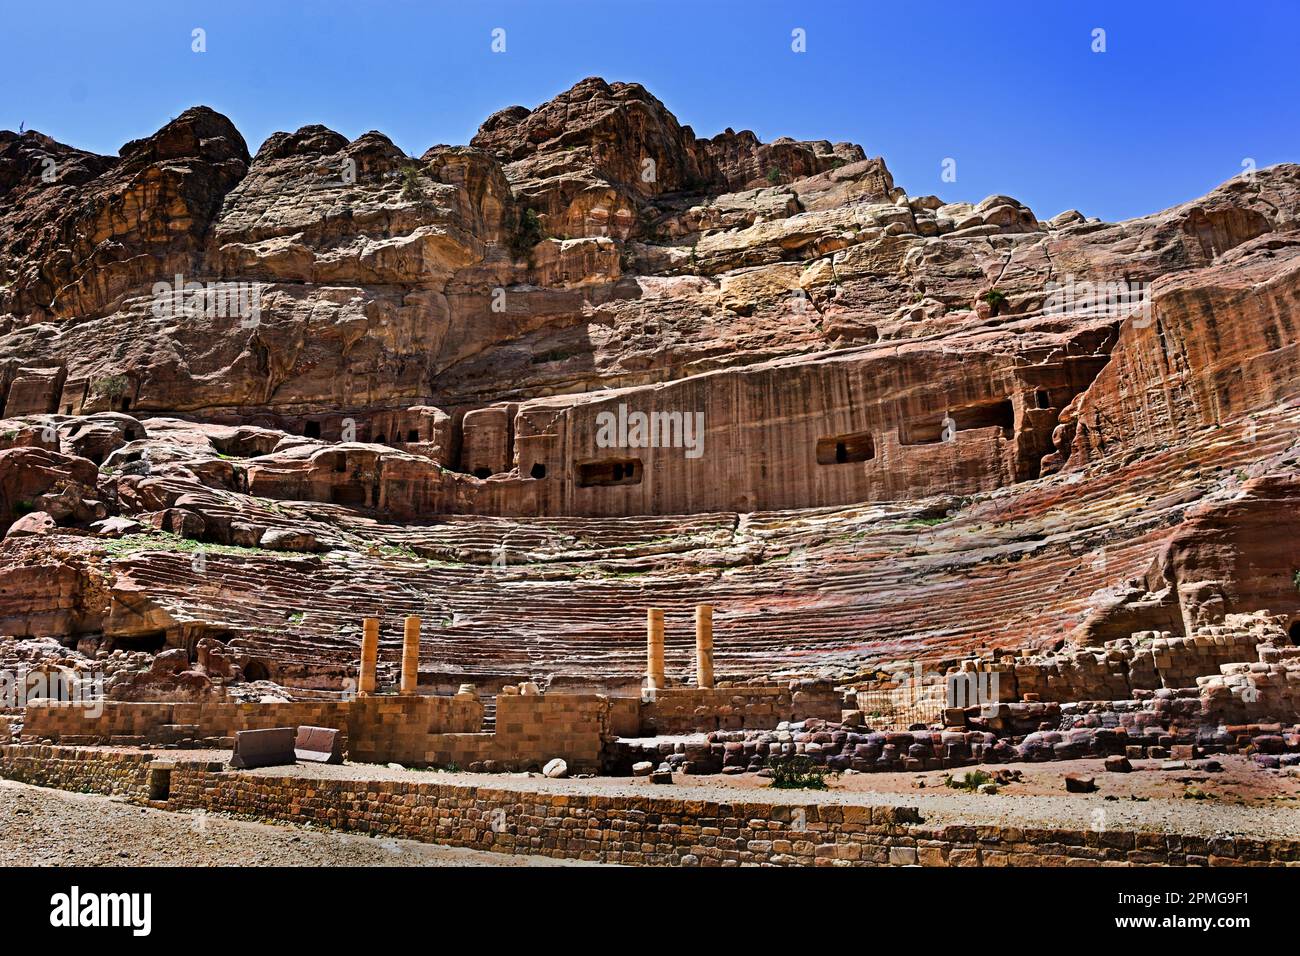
(489, 702)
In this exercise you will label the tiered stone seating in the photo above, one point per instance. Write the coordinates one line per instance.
(842, 590)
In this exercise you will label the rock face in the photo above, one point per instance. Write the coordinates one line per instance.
(596, 361)
(79, 231)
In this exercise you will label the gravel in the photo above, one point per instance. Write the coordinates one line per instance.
(52, 827)
(937, 808)
(40, 827)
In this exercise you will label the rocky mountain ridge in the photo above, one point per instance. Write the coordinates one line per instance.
(395, 401)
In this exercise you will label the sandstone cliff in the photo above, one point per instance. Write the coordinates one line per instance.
(380, 382)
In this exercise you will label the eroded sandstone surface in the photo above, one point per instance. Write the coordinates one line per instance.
(907, 448)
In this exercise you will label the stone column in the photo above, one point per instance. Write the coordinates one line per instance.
(410, 654)
(704, 645)
(654, 626)
(369, 655)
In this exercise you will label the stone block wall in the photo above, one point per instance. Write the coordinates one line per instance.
(385, 728)
(653, 830)
(530, 730)
(683, 710)
(112, 772)
(415, 730)
(1148, 660)
(534, 728)
(379, 728)
(166, 723)
(625, 716)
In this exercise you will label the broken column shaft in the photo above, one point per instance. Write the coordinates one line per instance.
(369, 655)
(410, 654)
(654, 626)
(704, 645)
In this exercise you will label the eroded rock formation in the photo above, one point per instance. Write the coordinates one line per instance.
(590, 362)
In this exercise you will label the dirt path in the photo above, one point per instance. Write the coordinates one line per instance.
(40, 827)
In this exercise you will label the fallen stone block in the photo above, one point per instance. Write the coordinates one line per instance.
(264, 748)
(319, 745)
(1074, 783)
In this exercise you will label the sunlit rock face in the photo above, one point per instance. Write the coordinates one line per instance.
(593, 361)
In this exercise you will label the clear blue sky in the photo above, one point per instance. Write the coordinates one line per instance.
(1011, 90)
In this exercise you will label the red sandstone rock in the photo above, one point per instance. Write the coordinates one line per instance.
(905, 452)
(34, 523)
(1075, 783)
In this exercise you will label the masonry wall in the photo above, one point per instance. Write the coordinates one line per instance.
(625, 716)
(385, 728)
(530, 730)
(641, 830)
(415, 730)
(380, 728)
(1146, 661)
(681, 710)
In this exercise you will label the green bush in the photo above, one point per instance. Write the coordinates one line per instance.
(971, 781)
(528, 232)
(412, 187)
(797, 773)
(111, 386)
(996, 299)
(774, 175)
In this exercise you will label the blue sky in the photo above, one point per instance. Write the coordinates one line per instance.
(1011, 90)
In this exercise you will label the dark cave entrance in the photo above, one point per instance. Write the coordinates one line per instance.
(256, 670)
(150, 641)
(615, 471)
(842, 449)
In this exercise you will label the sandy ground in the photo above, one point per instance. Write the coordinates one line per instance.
(41, 827)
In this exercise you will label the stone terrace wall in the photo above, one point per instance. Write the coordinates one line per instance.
(530, 730)
(417, 730)
(167, 723)
(684, 710)
(1149, 660)
(378, 728)
(111, 772)
(382, 728)
(642, 830)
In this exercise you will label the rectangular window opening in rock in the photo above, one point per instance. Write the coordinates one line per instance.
(843, 449)
(610, 471)
(991, 413)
